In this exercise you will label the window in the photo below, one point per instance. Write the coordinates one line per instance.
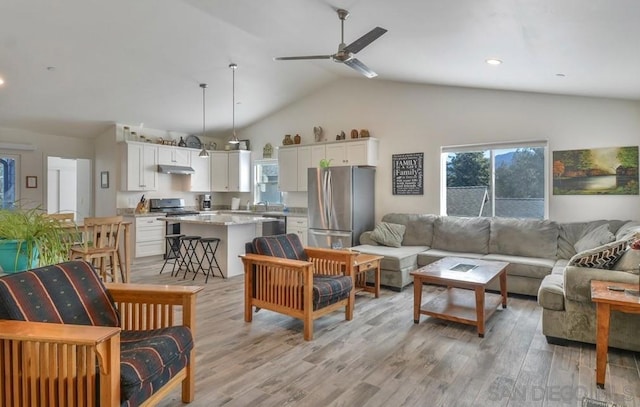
(9, 191)
(507, 180)
(265, 182)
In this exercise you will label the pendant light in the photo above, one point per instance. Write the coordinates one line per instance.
(233, 139)
(203, 153)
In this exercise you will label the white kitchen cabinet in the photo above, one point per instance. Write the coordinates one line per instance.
(230, 171)
(174, 156)
(148, 236)
(293, 163)
(139, 167)
(361, 152)
(201, 179)
(288, 169)
(299, 226)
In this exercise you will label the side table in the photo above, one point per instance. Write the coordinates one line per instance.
(608, 300)
(365, 262)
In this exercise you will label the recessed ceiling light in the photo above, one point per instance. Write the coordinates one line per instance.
(51, 68)
(561, 75)
(493, 61)
(1, 81)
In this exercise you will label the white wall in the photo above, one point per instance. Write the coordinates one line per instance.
(32, 163)
(422, 118)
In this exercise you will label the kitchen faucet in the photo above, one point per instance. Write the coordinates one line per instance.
(263, 203)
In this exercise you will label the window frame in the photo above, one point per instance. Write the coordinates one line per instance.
(492, 147)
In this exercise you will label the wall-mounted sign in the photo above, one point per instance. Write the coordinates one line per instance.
(408, 174)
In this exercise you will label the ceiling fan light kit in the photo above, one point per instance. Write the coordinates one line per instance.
(345, 52)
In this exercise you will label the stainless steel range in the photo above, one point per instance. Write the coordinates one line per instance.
(172, 207)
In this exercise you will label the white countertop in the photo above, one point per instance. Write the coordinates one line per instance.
(218, 219)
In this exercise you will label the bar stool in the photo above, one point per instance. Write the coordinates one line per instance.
(209, 247)
(173, 252)
(188, 255)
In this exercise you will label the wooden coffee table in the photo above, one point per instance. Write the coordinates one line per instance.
(457, 303)
(363, 263)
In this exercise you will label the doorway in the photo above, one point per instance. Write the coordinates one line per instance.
(9, 191)
(69, 186)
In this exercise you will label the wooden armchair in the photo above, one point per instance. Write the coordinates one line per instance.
(67, 339)
(305, 283)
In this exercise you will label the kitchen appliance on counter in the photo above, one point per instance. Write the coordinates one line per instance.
(340, 205)
(171, 207)
(205, 202)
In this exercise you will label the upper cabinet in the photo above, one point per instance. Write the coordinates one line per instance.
(230, 171)
(139, 167)
(201, 179)
(174, 156)
(293, 161)
(361, 152)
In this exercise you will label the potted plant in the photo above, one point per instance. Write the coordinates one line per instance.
(29, 238)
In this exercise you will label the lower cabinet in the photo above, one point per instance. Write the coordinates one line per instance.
(299, 226)
(148, 236)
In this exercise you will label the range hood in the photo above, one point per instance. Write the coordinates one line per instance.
(175, 169)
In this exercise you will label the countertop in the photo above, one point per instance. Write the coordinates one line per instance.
(225, 212)
(219, 219)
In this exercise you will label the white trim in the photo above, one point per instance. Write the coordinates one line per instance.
(465, 148)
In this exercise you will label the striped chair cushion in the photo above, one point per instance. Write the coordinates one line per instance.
(328, 290)
(285, 246)
(148, 359)
(65, 293)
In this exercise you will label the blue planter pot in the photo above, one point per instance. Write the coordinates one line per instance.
(11, 261)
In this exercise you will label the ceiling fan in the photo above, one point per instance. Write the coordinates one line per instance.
(345, 52)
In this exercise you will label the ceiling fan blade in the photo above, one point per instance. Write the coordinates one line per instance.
(302, 57)
(360, 67)
(365, 40)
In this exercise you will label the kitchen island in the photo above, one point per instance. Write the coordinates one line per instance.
(232, 230)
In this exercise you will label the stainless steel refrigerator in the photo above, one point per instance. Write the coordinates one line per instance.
(340, 205)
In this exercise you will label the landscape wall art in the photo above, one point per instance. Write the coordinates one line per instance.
(596, 171)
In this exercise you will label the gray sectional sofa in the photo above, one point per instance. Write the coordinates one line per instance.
(538, 253)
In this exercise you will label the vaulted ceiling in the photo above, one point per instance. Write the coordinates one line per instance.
(72, 67)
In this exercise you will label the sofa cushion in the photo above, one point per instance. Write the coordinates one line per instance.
(395, 259)
(431, 255)
(419, 230)
(459, 234)
(551, 292)
(559, 267)
(629, 262)
(628, 230)
(524, 237)
(532, 267)
(285, 246)
(148, 355)
(597, 237)
(69, 293)
(568, 235)
(388, 234)
(603, 257)
(328, 290)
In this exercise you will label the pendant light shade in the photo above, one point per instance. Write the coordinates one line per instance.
(233, 139)
(203, 153)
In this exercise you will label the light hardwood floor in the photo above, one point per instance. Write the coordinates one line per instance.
(381, 358)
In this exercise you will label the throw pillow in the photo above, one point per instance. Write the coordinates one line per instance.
(629, 262)
(597, 237)
(603, 257)
(388, 234)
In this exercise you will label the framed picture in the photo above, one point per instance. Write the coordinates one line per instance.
(104, 179)
(32, 181)
(596, 171)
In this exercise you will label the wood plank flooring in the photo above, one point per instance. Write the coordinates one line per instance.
(381, 358)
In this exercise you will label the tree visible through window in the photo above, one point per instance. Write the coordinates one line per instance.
(507, 182)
